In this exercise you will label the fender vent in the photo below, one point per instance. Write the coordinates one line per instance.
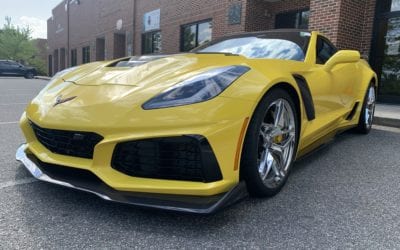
(353, 112)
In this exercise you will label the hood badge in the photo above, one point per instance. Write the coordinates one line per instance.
(60, 100)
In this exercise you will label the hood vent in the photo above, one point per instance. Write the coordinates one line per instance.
(135, 61)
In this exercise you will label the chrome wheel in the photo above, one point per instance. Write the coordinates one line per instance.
(370, 107)
(277, 142)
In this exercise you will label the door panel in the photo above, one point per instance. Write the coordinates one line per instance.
(328, 104)
(14, 68)
(346, 80)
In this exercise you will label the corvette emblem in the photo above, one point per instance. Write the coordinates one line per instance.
(60, 100)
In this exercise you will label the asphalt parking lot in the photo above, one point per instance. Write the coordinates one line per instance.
(347, 195)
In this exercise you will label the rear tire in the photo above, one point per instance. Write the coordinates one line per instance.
(270, 145)
(368, 110)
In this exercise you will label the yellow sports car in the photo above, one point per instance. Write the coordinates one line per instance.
(196, 132)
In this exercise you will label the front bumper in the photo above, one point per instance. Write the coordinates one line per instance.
(85, 181)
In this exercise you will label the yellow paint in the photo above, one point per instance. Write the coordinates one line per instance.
(109, 103)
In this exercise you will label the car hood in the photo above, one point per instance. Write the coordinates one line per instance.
(150, 70)
(107, 95)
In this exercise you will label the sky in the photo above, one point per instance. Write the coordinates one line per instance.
(32, 13)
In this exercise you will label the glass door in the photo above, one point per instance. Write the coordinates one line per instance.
(390, 74)
(385, 56)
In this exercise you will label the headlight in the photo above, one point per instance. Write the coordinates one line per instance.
(200, 88)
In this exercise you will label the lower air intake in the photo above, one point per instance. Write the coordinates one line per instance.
(188, 158)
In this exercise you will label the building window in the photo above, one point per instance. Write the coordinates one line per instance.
(395, 5)
(100, 49)
(119, 45)
(86, 54)
(50, 66)
(62, 58)
(293, 20)
(195, 34)
(151, 42)
(74, 57)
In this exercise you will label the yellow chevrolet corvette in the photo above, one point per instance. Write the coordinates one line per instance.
(198, 131)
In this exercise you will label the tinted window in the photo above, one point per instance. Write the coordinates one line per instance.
(151, 42)
(194, 35)
(86, 54)
(325, 50)
(13, 64)
(279, 45)
(204, 33)
(292, 20)
(74, 57)
(188, 38)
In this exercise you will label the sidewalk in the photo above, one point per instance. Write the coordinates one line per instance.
(387, 115)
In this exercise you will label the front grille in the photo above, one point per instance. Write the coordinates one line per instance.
(71, 143)
(176, 158)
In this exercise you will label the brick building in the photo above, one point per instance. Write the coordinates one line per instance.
(81, 31)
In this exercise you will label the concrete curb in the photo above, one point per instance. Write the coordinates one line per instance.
(43, 78)
(385, 121)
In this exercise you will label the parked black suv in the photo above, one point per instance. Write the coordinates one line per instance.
(11, 68)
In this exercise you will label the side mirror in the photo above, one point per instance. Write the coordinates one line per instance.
(342, 56)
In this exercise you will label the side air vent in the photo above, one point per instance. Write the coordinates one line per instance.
(353, 112)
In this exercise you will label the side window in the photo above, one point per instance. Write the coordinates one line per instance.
(13, 64)
(325, 50)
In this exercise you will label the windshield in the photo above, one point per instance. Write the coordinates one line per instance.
(265, 46)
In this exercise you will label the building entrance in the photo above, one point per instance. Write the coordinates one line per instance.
(386, 50)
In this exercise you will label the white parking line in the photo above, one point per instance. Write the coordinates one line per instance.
(16, 94)
(5, 123)
(17, 182)
(10, 104)
(17, 89)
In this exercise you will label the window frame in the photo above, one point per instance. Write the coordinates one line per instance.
(329, 43)
(197, 23)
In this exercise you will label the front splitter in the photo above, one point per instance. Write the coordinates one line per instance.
(72, 178)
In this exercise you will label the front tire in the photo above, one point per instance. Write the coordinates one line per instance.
(368, 111)
(29, 75)
(271, 144)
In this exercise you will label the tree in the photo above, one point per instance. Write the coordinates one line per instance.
(16, 44)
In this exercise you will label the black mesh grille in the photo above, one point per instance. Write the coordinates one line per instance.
(71, 143)
(175, 158)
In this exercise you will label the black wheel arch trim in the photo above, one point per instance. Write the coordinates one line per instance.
(306, 96)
